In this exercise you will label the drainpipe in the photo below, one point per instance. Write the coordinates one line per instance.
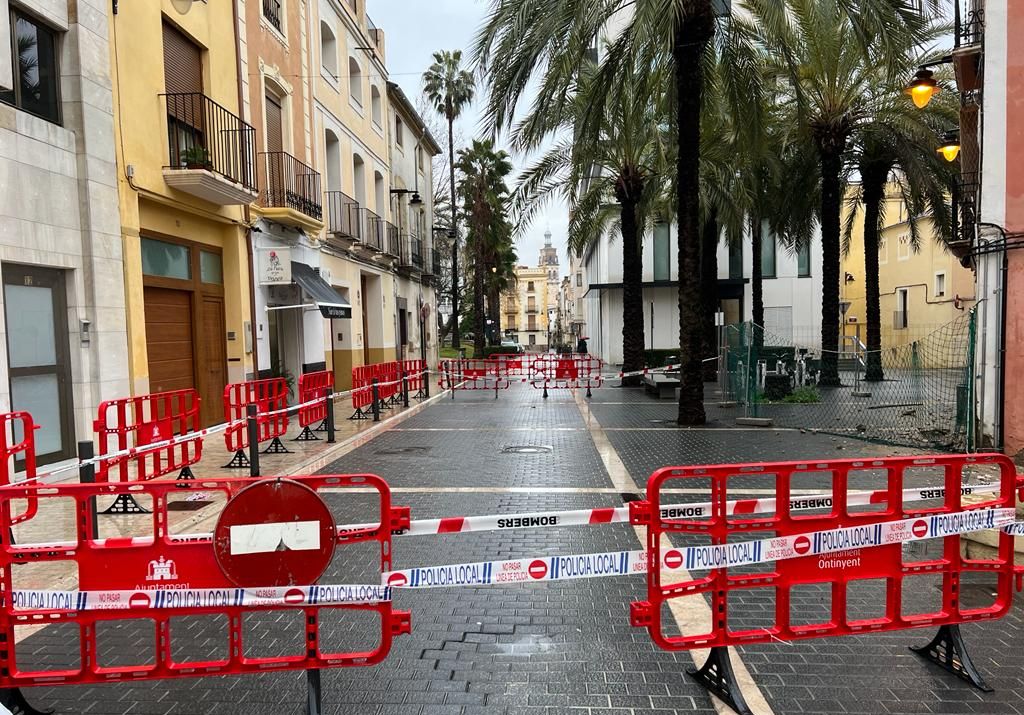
(250, 255)
(999, 430)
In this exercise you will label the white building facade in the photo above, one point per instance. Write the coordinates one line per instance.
(63, 312)
(792, 291)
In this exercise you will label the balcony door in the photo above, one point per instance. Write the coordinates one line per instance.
(35, 308)
(183, 82)
(275, 179)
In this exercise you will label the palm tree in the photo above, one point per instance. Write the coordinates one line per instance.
(611, 174)
(897, 148)
(484, 193)
(450, 89)
(502, 260)
(818, 48)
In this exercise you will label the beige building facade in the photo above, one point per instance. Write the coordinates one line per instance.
(524, 309)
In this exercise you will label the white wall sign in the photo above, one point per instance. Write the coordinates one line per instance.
(274, 266)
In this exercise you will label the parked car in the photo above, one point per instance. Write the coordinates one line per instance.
(513, 346)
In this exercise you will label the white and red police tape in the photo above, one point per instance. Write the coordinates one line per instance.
(624, 563)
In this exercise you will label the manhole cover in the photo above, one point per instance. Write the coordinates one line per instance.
(403, 450)
(525, 449)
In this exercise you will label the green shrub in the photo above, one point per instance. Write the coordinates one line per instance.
(803, 396)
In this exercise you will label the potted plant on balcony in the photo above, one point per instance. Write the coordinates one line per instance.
(196, 157)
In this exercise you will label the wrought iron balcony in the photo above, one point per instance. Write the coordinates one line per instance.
(428, 261)
(272, 11)
(412, 253)
(343, 219)
(373, 229)
(393, 244)
(287, 183)
(211, 152)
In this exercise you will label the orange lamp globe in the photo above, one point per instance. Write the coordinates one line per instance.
(922, 88)
(949, 151)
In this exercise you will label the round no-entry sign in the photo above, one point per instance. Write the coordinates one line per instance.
(274, 533)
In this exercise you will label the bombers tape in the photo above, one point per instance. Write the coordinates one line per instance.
(697, 558)
(186, 598)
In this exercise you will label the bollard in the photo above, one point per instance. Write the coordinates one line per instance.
(448, 378)
(425, 375)
(329, 417)
(252, 427)
(375, 391)
(405, 389)
(589, 393)
(314, 699)
(495, 386)
(545, 388)
(87, 475)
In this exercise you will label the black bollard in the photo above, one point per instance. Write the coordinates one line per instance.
(87, 475)
(329, 418)
(376, 400)
(253, 430)
(405, 389)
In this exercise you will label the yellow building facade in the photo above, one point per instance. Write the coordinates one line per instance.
(186, 170)
(524, 309)
(919, 291)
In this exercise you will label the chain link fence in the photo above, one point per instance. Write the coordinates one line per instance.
(924, 399)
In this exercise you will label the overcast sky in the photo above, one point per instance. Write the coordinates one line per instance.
(413, 33)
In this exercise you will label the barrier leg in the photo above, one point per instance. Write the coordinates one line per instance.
(329, 419)
(87, 475)
(375, 392)
(185, 474)
(253, 430)
(125, 504)
(277, 447)
(314, 699)
(238, 461)
(717, 678)
(306, 435)
(14, 700)
(948, 651)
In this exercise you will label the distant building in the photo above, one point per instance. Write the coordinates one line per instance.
(524, 309)
(549, 262)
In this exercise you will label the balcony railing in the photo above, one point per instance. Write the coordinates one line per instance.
(968, 23)
(532, 310)
(428, 261)
(285, 182)
(417, 252)
(272, 11)
(343, 216)
(373, 229)
(436, 261)
(393, 245)
(202, 134)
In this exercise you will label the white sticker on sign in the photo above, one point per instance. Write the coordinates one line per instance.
(279, 536)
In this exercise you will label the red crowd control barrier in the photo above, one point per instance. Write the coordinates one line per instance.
(473, 374)
(18, 444)
(566, 372)
(513, 365)
(416, 376)
(237, 580)
(362, 395)
(270, 395)
(143, 420)
(314, 387)
(763, 549)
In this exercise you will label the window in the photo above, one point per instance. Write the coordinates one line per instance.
(167, 260)
(328, 50)
(37, 82)
(272, 12)
(398, 131)
(332, 150)
(883, 250)
(900, 318)
(735, 259)
(211, 269)
(803, 260)
(940, 285)
(579, 279)
(375, 103)
(768, 249)
(533, 338)
(662, 270)
(355, 81)
(903, 248)
(419, 158)
(529, 286)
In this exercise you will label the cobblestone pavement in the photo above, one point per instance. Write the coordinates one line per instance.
(547, 648)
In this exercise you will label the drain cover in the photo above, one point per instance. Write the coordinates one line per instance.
(525, 449)
(403, 450)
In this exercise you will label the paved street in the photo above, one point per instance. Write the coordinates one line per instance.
(549, 648)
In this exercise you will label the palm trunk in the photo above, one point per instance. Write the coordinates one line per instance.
(874, 190)
(479, 315)
(690, 39)
(632, 293)
(494, 310)
(757, 280)
(709, 293)
(456, 342)
(831, 161)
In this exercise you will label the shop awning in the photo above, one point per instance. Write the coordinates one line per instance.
(329, 301)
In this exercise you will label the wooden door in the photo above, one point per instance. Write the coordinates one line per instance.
(169, 343)
(212, 359)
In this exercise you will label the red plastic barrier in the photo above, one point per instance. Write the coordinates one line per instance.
(314, 386)
(268, 395)
(13, 449)
(513, 365)
(472, 374)
(776, 586)
(146, 419)
(416, 376)
(157, 578)
(362, 395)
(566, 372)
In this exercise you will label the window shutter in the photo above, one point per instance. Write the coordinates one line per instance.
(275, 126)
(183, 63)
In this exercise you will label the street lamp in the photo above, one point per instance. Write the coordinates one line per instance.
(950, 146)
(923, 87)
